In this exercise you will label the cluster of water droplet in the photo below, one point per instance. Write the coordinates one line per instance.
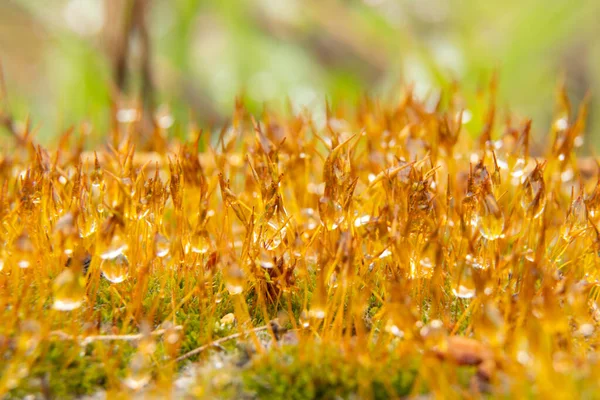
(395, 206)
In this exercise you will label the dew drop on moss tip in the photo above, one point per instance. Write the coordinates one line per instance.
(304, 319)
(200, 242)
(115, 270)
(392, 328)
(29, 337)
(273, 234)
(491, 219)
(318, 306)
(310, 218)
(567, 175)
(317, 313)
(362, 221)
(139, 372)
(24, 251)
(463, 292)
(266, 260)
(69, 290)
(161, 246)
(518, 169)
(463, 285)
(576, 221)
(331, 212)
(533, 200)
(234, 279)
(86, 224)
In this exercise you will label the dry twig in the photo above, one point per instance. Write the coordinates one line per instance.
(96, 338)
(217, 342)
(6, 118)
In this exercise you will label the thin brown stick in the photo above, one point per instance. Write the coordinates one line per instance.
(218, 342)
(6, 118)
(129, 337)
(140, 23)
(133, 17)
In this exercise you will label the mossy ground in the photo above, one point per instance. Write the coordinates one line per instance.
(400, 256)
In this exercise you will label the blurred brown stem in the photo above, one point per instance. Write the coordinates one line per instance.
(133, 17)
(6, 118)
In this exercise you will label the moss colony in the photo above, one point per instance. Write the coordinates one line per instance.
(375, 252)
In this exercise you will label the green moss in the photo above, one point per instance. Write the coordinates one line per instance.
(63, 373)
(324, 373)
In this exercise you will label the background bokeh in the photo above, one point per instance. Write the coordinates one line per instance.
(56, 54)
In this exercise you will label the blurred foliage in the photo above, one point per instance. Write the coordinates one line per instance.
(205, 52)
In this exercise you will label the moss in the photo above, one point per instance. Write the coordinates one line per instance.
(64, 373)
(325, 373)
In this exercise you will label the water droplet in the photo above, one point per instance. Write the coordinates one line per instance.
(147, 344)
(393, 329)
(420, 269)
(594, 215)
(317, 312)
(463, 292)
(561, 124)
(115, 270)
(115, 247)
(385, 254)
(433, 333)
(273, 234)
(267, 260)
(24, 251)
(586, 329)
(491, 219)
(362, 220)
(314, 188)
(200, 241)
(462, 284)
(490, 323)
(29, 337)
(562, 362)
(86, 224)
(333, 281)
(530, 254)
(234, 279)
(331, 212)
(97, 178)
(534, 194)
(65, 224)
(310, 219)
(304, 319)
(469, 205)
(139, 372)
(318, 303)
(172, 336)
(69, 290)
(68, 245)
(161, 245)
(567, 175)
(228, 319)
(576, 221)
(518, 169)
(476, 262)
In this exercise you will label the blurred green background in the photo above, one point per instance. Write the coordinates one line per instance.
(57, 59)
